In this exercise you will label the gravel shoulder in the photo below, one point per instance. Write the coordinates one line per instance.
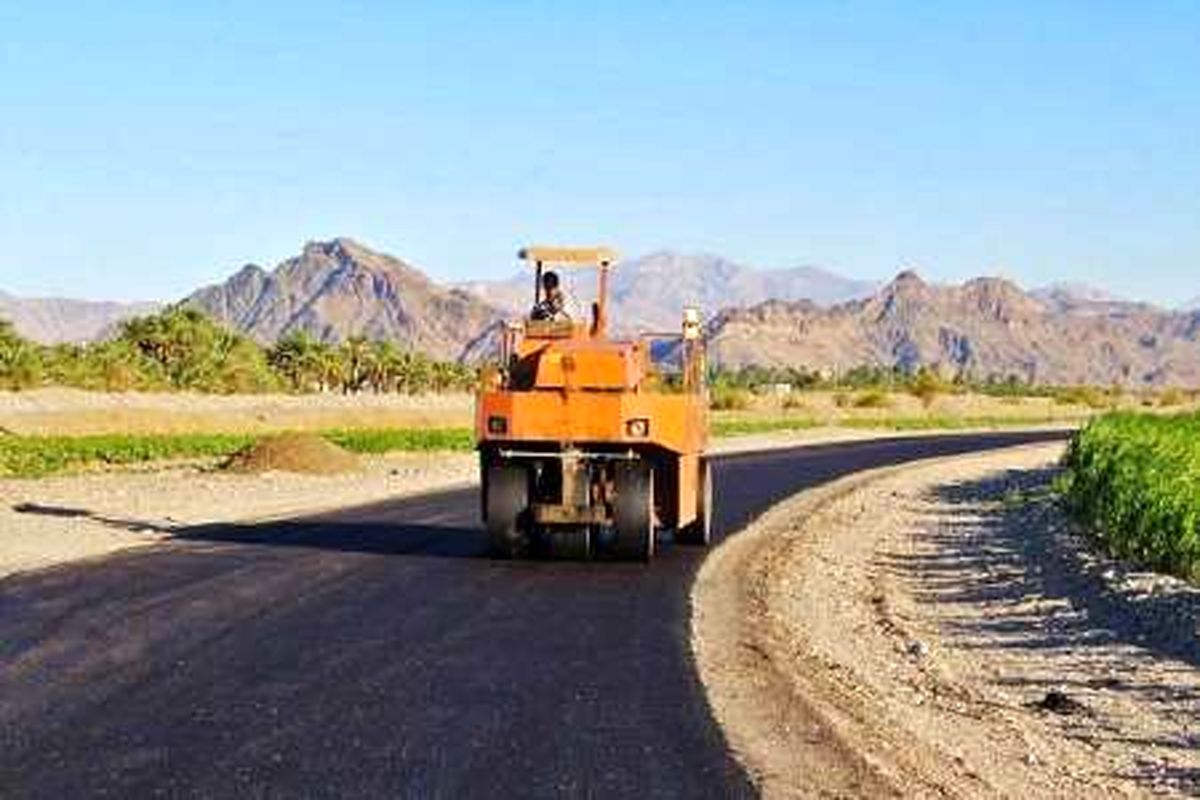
(940, 630)
(54, 520)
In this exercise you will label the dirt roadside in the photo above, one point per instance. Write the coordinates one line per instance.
(55, 520)
(938, 630)
(74, 412)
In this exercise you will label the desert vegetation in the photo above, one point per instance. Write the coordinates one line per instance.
(756, 399)
(182, 349)
(925, 383)
(1133, 480)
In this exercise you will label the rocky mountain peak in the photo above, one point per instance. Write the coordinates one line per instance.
(1000, 299)
(250, 273)
(337, 289)
(906, 280)
(899, 299)
(346, 251)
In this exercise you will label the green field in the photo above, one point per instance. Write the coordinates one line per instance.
(1134, 481)
(37, 456)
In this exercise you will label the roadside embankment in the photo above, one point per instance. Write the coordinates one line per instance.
(940, 630)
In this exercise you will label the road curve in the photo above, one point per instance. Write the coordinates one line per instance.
(375, 652)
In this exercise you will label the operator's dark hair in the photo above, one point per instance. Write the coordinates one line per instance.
(550, 280)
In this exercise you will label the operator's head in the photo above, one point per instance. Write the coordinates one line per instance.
(550, 282)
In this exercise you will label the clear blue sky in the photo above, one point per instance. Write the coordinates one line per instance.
(148, 148)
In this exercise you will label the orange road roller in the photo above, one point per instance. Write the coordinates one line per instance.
(588, 446)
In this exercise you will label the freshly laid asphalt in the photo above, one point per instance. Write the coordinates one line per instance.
(376, 652)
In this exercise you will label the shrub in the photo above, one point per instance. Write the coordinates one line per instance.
(1088, 396)
(726, 398)
(1134, 480)
(874, 398)
(20, 361)
(793, 402)
(926, 386)
(1171, 398)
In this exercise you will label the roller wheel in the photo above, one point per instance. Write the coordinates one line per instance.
(507, 502)
(633, 512)
(700, 530)
(572, 543)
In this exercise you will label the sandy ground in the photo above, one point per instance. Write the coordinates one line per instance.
(941, 631)
(72, 412)
(53, 520)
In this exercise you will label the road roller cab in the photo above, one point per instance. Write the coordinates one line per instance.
(590, 445)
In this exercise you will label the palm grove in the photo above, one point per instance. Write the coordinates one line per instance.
(182, 349)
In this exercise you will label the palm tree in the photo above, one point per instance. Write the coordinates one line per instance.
(357, 357)
(330, 367)
(298, 358)
(385, 366)
(416, 375)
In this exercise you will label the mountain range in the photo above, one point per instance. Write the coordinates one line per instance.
(57, 320)
(803, 316)
(648, 293)
(985, 327)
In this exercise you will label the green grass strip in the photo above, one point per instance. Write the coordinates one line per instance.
(944, 423)
(391, 440)
(33, 456)
(743, 427)
(37, 456)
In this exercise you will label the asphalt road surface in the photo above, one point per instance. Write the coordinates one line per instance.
(375, 652)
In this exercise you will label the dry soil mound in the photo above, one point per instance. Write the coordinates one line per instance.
(294, 452)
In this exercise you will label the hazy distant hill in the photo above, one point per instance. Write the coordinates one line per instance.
(56, 320)
(1074, 295)
(650, 292)
(986, 326)
(338, 289)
